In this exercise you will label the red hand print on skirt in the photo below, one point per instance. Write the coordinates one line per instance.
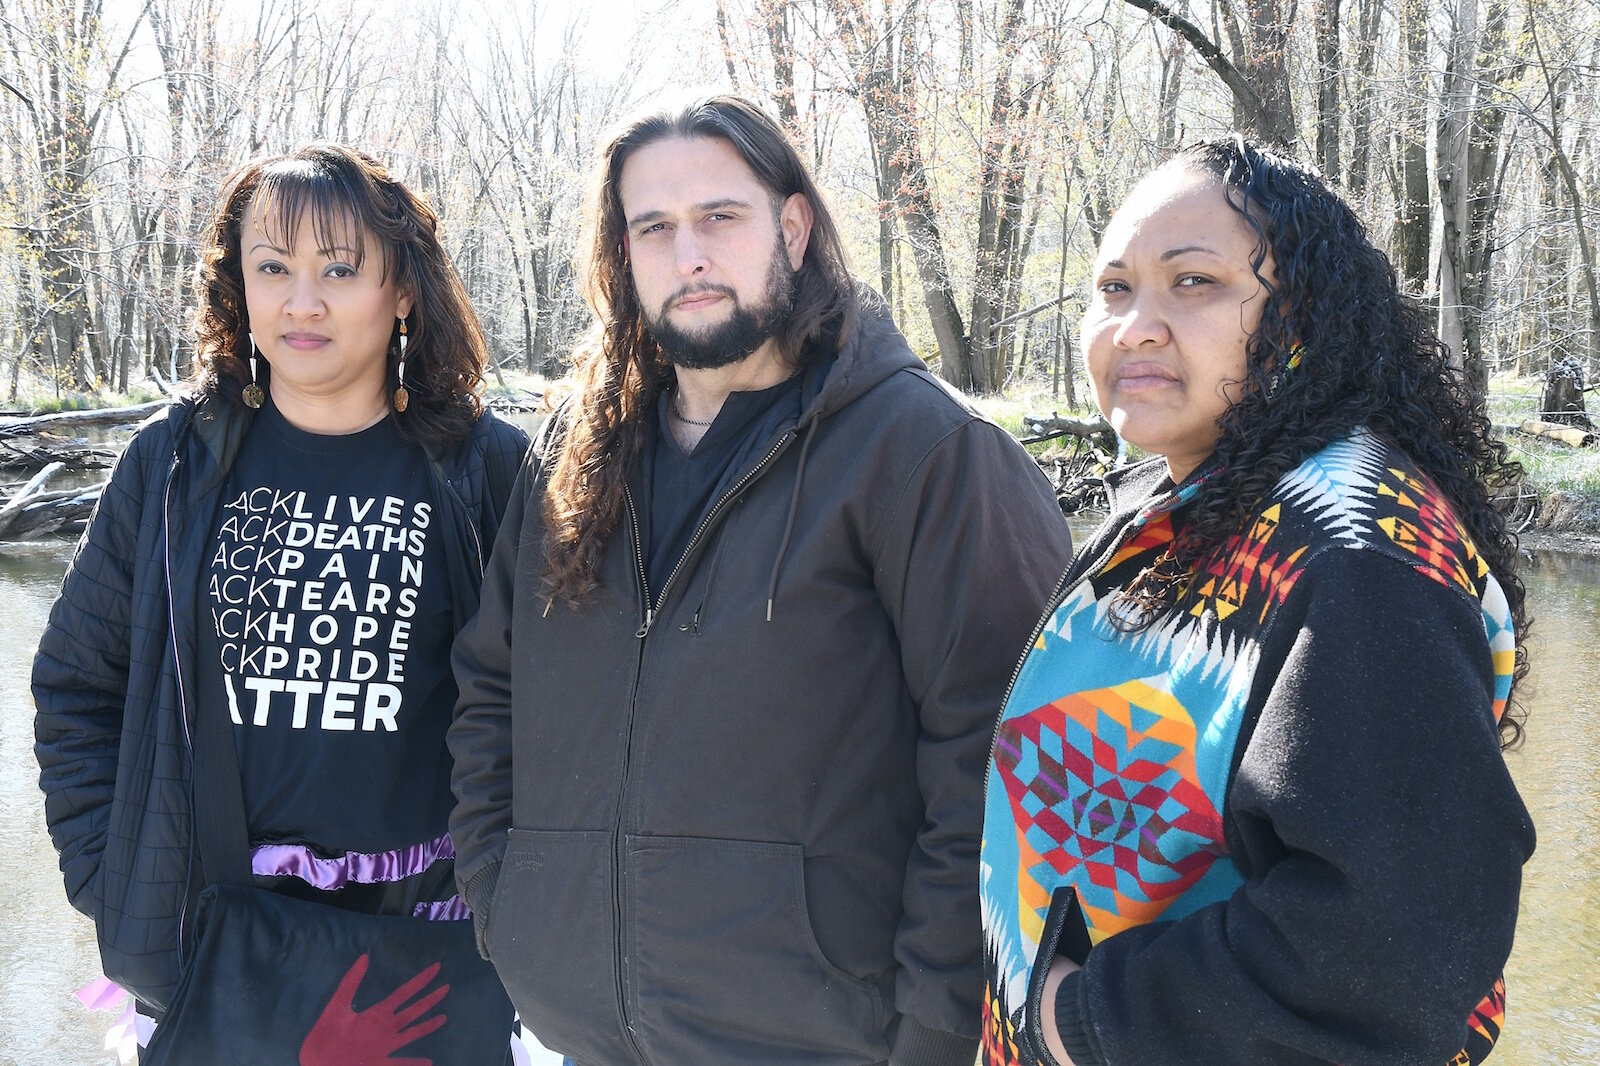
(344, 1036)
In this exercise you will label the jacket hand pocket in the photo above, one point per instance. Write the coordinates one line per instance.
(550, 935)
(1065, 933)
(720, 953)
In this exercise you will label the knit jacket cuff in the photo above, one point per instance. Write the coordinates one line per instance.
(1072, 1022)
(478, 893)
(917, 1045)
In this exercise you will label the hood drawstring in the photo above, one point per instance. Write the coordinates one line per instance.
(794, 507)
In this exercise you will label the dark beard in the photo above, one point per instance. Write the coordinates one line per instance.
(736, 338)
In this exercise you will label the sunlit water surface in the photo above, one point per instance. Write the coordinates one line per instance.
(47, 949)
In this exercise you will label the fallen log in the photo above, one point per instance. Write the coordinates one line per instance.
(105, 416)
(1578, 438)
(26, 495)
(527, 400)
(1094, 429)
(32, 453)
(65, 514)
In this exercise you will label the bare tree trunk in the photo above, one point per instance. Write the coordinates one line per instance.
(967, 32)
(886, 230)
(1063, 361)
(1329, 64)
(1455, 185)
(124, 346)
(97, 351)
(1268, 62)
(1412, 218)
(780, 39)
(1097, 197)
(998, 208)
(1369, 18)
(1569, 180)
(727, 45)
(1486, 171)
(27, 332)
(887, 95)
(1171, 87)
(66, 144)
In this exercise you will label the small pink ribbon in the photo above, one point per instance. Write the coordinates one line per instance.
(131, 1031)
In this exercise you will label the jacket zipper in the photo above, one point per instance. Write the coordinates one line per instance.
(638, 562)
(1057, 596)
(177, 670)
(619, 946)
(705, 523)
(651, 606)
(693, 625)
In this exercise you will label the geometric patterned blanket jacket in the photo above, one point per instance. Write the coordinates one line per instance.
(1275, 826)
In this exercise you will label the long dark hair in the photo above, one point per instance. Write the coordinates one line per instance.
(619, 369)
(342, 187)
(1369, 358)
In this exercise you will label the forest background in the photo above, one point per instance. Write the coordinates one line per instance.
(972, 151)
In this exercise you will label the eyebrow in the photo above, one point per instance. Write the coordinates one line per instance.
(1171, 253)
(326, 252)
(709, 205)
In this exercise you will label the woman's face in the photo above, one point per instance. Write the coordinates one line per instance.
(322, 322)
(1174, 301)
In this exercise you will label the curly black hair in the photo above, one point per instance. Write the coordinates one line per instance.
(1368, 358)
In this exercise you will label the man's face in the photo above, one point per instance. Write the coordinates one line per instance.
(712, 257)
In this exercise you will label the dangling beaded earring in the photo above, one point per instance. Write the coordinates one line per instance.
(402, 399)
(1280, 376)
(252, 394)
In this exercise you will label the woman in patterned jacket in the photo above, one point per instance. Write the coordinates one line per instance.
(1247, 802)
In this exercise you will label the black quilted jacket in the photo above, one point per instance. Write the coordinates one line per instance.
(115, 668)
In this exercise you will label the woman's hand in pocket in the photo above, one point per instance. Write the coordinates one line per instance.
(1060, 967)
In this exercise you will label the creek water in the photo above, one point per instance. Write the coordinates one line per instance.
(47, 950)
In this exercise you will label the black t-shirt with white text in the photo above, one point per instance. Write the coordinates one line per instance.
(329, 646)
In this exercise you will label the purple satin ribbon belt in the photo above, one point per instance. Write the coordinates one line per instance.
(295, 860)
(453, 909)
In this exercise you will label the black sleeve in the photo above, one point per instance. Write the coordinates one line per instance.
(504, 453)
(1381, 838)
(80, 680)
(964, 568)
(480, 735)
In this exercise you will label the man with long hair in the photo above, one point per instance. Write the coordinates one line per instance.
(726, 707)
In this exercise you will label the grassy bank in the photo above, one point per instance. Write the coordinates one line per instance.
(36, 400)
(1564, 480)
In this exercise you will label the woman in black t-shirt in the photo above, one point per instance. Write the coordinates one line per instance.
(283, 560)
